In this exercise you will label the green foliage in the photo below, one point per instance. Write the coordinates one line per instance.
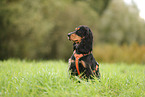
(97, 5)
(50, 79)
(38, 29)
(125, 24)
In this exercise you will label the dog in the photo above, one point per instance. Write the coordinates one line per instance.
(82, 63)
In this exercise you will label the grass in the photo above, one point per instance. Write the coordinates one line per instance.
(51, 79)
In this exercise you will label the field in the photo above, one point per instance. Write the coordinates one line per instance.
(51, 79)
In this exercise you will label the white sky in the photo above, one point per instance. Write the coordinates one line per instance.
(141, 6)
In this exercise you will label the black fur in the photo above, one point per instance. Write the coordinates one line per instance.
(85, 47)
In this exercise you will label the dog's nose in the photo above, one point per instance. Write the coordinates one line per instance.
(68, 34)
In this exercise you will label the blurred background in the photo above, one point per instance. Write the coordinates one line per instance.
(38, 29)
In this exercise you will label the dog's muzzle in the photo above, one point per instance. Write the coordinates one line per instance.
(69, 34)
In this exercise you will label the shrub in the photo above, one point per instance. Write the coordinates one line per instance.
(133, 53)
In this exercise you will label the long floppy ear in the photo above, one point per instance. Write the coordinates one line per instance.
(86, 42)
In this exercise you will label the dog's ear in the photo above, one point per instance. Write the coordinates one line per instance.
(86, 42)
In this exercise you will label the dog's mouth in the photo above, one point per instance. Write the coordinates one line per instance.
(76, 41)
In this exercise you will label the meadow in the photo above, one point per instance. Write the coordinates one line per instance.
(21, 78)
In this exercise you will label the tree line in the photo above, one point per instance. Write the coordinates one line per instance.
(38, 29)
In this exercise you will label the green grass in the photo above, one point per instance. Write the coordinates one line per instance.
(51, 79)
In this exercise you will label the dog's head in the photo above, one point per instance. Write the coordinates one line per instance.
(79, 33)
(82, 36)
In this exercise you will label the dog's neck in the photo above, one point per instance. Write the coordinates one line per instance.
(81, 49)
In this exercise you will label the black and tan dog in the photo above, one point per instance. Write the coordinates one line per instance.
(82, 62)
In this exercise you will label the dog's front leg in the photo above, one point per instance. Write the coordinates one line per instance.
(89, 72)
(69, 62)
(83, 63)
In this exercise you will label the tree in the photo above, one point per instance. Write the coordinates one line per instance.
(38, 29)
(98, 5)
(121, 24)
